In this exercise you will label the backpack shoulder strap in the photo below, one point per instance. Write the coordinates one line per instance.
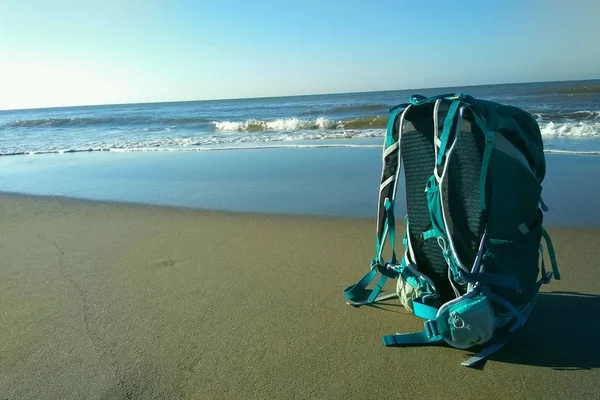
(386, 223)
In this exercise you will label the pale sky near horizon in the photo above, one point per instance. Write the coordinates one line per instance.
(115, 51)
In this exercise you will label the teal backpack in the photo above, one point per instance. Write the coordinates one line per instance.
(473, 240)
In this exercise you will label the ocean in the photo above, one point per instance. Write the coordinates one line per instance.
(305, 155)
(568, 114)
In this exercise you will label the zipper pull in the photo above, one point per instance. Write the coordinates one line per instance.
(456, 320)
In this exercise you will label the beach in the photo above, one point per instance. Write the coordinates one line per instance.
(106, 300)
(199, 250)
(193, 196)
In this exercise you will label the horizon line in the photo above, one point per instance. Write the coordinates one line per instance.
(289, 95)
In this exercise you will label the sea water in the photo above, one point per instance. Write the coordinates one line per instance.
(568, 114)
(315, 155)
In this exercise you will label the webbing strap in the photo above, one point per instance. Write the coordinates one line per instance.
(429, 335)
(487, 278)
(551, 254)
(389, 226)
(389, 136)
(391, 230)
(521, 319)
(410, 339)
(490, 138)
(483, 354)
(449, 123)
(423, 310)
(377, 289)
(358, 289)
(354, 293)
(501, 341)
(417, 99)
(545, 280)
(430, 234)
(377, 300)
(476, 112)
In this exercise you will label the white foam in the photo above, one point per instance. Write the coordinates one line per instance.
(323, 123)
(570, 116)
(281, 125)
(198, 149)
(228, 126)
(241, 139)
(573, 152)
(195, 142)
(574, 129)
(588, 114)
(256, 146)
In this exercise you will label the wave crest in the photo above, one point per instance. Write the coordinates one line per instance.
(282, 125)
(570, 129)
(298, 124)
(583, 115)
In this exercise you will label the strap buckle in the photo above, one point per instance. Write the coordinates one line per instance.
(547, 277)
(431, 328)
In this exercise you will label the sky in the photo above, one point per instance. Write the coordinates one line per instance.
(61, 53)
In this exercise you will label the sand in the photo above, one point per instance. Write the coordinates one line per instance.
(115, 301)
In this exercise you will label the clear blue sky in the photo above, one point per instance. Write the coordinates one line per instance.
(56, 53)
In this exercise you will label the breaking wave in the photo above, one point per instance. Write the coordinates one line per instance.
(570, 129)
(298, 124)
(573, 116)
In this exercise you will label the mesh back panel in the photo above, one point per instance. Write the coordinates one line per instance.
(418, 161)
(461, 193)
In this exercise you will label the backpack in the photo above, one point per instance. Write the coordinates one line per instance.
(473, 171)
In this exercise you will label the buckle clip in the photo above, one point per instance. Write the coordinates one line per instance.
(431, 328)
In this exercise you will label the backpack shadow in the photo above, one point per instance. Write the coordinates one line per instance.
(562, 332)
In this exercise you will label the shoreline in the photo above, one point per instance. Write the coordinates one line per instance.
(74, 201)
(367, 142)
(341, 182)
